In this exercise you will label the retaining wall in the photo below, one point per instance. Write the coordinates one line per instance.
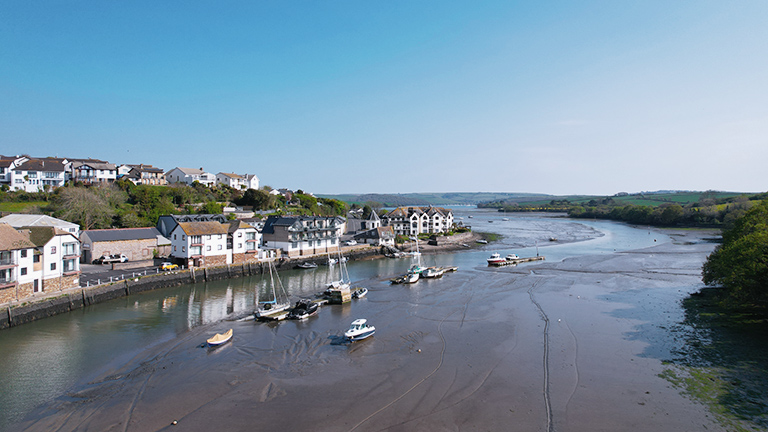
(76, 298)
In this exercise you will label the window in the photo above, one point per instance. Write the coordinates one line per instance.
(219, 247)
(183, 248)
(174, 248)
(174, 236)
(53, 266)
(208, 237)
(53, 250)
(69, 265)
(36, 258)
(239, 245)
(208, 247)
(183, 237)
(23, 253)
(23, 271)
(239, 234)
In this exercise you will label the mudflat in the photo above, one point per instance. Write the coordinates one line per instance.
(567, 346)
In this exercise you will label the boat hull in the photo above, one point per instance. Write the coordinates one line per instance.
(360, 336)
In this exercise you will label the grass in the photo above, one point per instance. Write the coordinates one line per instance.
(19, 207)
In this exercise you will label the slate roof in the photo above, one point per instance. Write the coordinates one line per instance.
(48, 164)
(10, 239)
(385, 233)
(203, 228)
(95, 165)
(41, 235)
(236, 225)
(190, 171)
(122, 234)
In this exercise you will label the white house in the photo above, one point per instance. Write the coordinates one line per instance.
(35, 175)
(199, 243)
(56, 261)
(232, 180)
(92, 171)
(303, 235)
(189, 176)
(251, 181)
(8, 163)
(243, 241)
(35, 260)
(411, 221)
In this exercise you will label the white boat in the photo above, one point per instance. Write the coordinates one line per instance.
(433, 272)
(307, 265)
(343, 281)
(279, 297)
(505, 219)
(512, 257)
(496, 259)
(220, 338)
(359, 330)
(411, 277)
(482, 241)
(359, 293)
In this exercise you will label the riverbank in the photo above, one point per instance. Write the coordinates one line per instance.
(577, 344)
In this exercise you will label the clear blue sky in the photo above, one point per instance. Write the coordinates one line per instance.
(576, 97)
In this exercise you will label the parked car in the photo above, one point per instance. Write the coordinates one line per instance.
(166, 266)
(108, 259)
(350, 242)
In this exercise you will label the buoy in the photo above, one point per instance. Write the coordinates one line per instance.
(419, 350)
(174, 422)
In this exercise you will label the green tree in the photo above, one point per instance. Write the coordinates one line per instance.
(84, 207)
(211, 207)
(740, 264)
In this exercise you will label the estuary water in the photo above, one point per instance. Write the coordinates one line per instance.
(42, 362)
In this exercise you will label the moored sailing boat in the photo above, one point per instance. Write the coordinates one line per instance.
(279, 297)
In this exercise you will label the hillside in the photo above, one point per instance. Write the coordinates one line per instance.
(437, 199)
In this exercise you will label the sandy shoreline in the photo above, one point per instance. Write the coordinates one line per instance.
(550, 346)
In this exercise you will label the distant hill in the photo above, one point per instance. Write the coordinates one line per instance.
(437, 199)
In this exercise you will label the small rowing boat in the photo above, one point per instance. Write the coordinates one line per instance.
(220, 338)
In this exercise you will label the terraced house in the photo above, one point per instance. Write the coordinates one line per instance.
(303, 235)
(35, 260)
(412, 221)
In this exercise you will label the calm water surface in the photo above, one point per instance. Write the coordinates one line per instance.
(42, 360)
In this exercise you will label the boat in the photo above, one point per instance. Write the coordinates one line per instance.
(496, 259)
(511, 257)
(482, 241)
(220, 338)
(359, 293)
(307, 265)
(359, 330)
(553, 239)
(411, 277)
(303, 309)
(279, 299)
(505, 219)
(342, 282)
(433, 272)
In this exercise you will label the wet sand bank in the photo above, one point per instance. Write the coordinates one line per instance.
(553, 345)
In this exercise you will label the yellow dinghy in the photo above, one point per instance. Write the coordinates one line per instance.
(220, 338)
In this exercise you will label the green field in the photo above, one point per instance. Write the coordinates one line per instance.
(18, 207)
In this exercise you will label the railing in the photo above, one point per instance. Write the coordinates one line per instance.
(7, 261)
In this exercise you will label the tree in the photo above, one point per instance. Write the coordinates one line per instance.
(740, 264)
(84, 207)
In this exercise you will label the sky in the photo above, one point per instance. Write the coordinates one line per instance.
(556, 97)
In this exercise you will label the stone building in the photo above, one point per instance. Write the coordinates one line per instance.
(136, 244)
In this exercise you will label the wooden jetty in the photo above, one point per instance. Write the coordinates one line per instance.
(516, 261)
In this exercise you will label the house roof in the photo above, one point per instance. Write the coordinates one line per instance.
(236, 225)
(190, 171)
(24, 220)
(122, 234)
(10, 239)
(203, 228)
(145, 168)
(48, 164)
(95, 165)
(231, 175)
(41, 235)
(373, 216)
(384, 233)
(288, 221)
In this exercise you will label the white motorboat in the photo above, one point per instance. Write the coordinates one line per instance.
(307, 265)
(411, 277)
(496, 259)
(482, 241)
(512, 257)
(433, 272)
(359, 330)
(359, 293)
